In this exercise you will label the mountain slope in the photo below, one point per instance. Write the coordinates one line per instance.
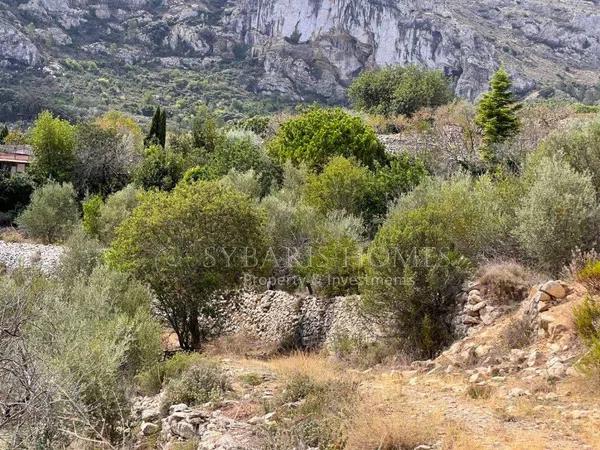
(79, 56)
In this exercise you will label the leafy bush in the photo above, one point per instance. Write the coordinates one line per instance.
(203, 382)
(208, 233)
(557, 214)
(413, 275)
(579, 146)
(399, 90)
(347, 186)
(15, 194)
(319, 134)
(152, 380)
(53, 142)
(91, 214)
(245, 182)
(475, 214)
(115, 210)
(81, 256)
(160, 169)
(342, 186)
(241, 151)
(103, 160)
(52, 213)
(401, 175)
(589, 276)
(333, 264)
(587, 324)
(90, 336)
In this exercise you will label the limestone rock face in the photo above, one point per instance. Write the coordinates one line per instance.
(312, 49)
(16, 47)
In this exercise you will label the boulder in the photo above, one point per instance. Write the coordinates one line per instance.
(554, 289)
(555, 369)
(148, 429)
(184, 430)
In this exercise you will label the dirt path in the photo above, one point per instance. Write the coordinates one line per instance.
(441, 403)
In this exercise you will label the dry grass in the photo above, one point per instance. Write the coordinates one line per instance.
(458, 437)
(316, 366)
(11, 235)
(505, 282)
(377, 427)
(383, 420)
(517, 334)
(242, 345)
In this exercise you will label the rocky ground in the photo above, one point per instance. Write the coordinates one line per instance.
(479, 394)
(16, 255)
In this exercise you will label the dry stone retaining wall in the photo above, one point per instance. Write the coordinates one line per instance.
(291, 320)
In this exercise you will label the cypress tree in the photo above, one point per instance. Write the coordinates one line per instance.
(162, 130)
(496, 114)
(3, 133)
(158, 129)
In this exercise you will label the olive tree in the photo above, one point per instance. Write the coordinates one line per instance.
(187, 245)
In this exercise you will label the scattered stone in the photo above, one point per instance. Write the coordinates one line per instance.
(534, 358)
(518, 392)
(148, 429)
(470, 320)
(476, 307)
(184, 429)
(482, 350)
(150, 415)
(180, 407)
(555, 369)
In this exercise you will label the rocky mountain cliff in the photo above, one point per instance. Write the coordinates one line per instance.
(52, 51)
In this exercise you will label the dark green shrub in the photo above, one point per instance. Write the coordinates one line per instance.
(187, 245)
(160, 169)
(399, 90)
(318, 134)
(413, 275)
(15, 194)
(103, 160)
(579, 146)
(558, 213)
(91, 214)
(153, 379)
(203, 382)
(52, 213)
(589, 276)
(587, 324)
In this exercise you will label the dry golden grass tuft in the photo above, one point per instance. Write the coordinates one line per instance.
(11, 235)
(242, 345)
(316, 366)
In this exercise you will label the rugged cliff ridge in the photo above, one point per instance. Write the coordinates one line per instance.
(311, 49)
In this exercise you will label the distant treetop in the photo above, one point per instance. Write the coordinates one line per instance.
(399, 90)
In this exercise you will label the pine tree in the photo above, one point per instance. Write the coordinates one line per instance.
(158, 129)
(496, 114)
